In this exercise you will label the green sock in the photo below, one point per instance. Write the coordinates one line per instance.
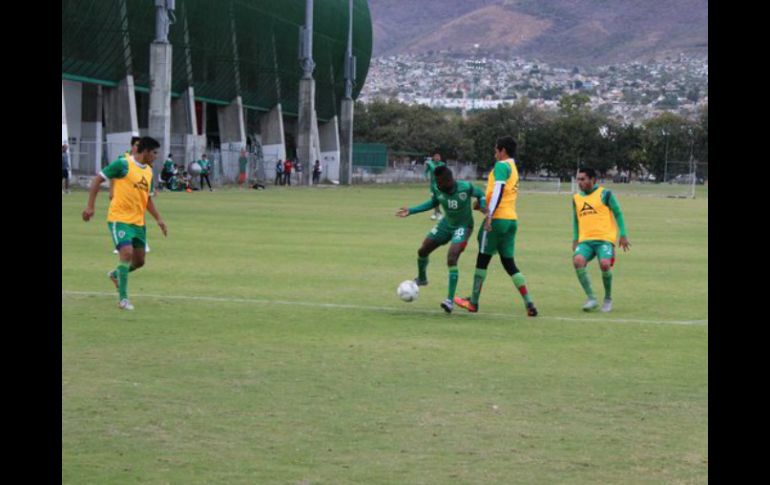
(478, 282)
(454, 275)
(607, 280)
(521, 285)
(422, 265)
(585, 282)
(123, 279)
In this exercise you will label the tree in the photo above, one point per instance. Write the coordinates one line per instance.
(667, 137)
(573, 103)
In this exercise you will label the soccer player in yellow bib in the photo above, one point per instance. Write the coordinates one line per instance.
(596, 220)
(132, 177)
(132, 153)
(498, 234)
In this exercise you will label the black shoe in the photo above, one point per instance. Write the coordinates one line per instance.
(531, 310)
(421, 282)
(447, 305)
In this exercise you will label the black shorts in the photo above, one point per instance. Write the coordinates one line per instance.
(65, 174)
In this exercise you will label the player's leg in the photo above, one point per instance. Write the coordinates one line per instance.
(438, 236)
(428, 246)
(583, 254)
(487, 248)
(140, 244)
(459, 242)
(507, 230)
(605, 254)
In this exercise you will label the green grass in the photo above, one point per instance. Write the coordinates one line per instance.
(247, 387)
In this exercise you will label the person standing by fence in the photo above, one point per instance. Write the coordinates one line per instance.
(287, 165)
(65, 168)
(242, 162)
(205, 169)
(278, 173)
(316, 172)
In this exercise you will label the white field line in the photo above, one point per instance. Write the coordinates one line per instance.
(378, 308)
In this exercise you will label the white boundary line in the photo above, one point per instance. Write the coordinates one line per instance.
(379, 308)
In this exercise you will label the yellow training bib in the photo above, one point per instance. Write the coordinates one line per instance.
(130, 195)
(506, 208)
(595, 220)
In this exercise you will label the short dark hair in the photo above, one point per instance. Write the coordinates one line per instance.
(590, 172)
(442, 170)
(135, 139)
(147, 143)
(170, 155)
(436, 152)
(507, 143)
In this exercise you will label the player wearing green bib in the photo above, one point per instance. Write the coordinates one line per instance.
(455, 227)
(430, 168)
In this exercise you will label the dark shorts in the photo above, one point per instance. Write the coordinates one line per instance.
(65, 174)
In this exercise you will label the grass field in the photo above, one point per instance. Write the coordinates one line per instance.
(268, 346)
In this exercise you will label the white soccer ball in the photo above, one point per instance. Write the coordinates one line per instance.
(408, 290)
(194, 169)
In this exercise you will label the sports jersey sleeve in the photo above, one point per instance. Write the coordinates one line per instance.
(116, 170)
(502, 172)
(479, 194)
(427, 205)
(611, 201)
(575, 232)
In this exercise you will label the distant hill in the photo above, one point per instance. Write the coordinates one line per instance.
(564, 32)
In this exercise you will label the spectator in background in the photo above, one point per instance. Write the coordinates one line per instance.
(168, 171)
(242, 162)
(287, 165)
(65, 168)
(298, 168)
(279, 172)
(205, 169)
(316, 172)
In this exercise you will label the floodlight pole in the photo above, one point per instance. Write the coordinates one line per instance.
(346, 108)
(305, 128)
(160, 77)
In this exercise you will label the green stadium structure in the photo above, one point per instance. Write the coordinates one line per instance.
(234, 62)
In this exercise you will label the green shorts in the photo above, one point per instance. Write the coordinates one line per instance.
(502, 239)
(443, 233)
(124, 234)
(590, 249)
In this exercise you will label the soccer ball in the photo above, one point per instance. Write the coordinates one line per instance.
(194, 169)
(408, 290)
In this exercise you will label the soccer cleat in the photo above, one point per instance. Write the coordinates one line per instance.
(466, 303)
(531, 310)
(607, 305)
(114, 251)
(114, 278)
(421, 282)
(433, 217)
(590, 304)
(447, 305)
(125, 305)
(146, 248)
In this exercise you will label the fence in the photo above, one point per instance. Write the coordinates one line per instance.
(681, 180)
(405, 172)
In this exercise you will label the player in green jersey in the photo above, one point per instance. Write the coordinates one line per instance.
(430, 167)
(456, 226)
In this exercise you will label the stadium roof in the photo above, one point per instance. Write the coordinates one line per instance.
(223, 48)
